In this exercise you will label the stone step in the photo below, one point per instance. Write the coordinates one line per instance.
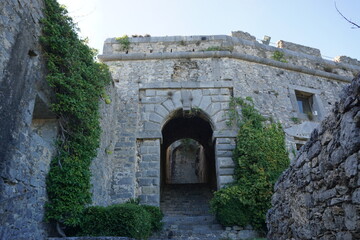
(180, 219)
(190, 227)
(186, 199)
(186, 208)
(188, 234)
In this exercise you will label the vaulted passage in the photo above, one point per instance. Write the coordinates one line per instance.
(187, 163)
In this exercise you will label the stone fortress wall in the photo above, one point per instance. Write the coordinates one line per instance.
(27, 127)
(153, 80)
(157, 76)
(318, 197)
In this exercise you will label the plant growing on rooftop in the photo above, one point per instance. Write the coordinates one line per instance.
(310, 116)
(182, 43)
(328, 69)
(124, 42)
(278, 56)
(295, 120)
(219, 48)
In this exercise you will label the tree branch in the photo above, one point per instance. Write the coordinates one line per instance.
(349, 21)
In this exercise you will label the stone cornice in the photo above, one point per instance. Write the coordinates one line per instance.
(226, 54)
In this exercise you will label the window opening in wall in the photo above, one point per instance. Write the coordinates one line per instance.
(304, 101)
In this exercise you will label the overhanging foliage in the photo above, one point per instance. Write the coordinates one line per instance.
(260, 157)
(78, 82)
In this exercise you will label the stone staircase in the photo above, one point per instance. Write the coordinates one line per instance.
(186, 210)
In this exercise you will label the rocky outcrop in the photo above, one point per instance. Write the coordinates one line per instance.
(318, 197)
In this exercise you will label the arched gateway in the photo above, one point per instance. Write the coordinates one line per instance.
(188, 173)
(173, 93)
(179, 141)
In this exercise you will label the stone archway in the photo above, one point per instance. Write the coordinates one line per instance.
(188, 125)
(170, 113)
(187, 179)
(185, 162)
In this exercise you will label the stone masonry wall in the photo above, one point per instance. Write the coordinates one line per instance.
(27, 128)
(184, 163)
(157, 76)
(101, 166)
(318, 197)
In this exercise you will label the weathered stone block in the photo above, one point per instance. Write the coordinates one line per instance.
(145, 182)
(150, 92)
(226, 171)
(150, 126)
(151, 173)
(351, 165)
(169, 105)
(225, 179)
(228, 147)
(162, 111)
(243, 35)
(205, 102)
(226, 162)
(356, 196)
(247, 234)
(148, 190)
(125, 181)
(154, 200)
(299, 48)
(151, 158)
(196, 97)
(220, 98)
(155, 118)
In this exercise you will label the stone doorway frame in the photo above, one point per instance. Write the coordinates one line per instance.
(157, 103)
(195, 125)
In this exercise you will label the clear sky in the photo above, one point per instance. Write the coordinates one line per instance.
(313, 23)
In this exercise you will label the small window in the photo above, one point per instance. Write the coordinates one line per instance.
(305, 105)
(304, 101)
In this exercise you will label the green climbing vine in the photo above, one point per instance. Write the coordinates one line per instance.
(260, 157)
(78, 83)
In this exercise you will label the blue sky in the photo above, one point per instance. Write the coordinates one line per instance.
(313, 23)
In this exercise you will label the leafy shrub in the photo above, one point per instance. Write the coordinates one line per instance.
(156, 217)
(126, 220)
(260, 157)
(124, 42)
(226, 204)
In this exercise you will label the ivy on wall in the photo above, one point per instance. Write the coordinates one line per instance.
(78, 82)
(260, 157)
